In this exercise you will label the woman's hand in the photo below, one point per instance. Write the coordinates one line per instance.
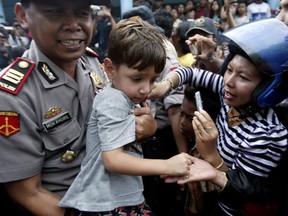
(159, 89)
(206, 135)
(170, 82)
(200, 170)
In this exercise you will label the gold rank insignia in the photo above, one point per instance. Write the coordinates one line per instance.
(15, 75)
(9, 123)
(47, 72)
(68, 156)
(52, 111)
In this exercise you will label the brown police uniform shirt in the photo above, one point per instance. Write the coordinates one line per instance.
(43, 126)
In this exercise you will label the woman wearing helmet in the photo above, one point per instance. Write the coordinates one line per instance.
(245, 146)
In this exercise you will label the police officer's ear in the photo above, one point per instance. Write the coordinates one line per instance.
(21, 15)
(109, 68)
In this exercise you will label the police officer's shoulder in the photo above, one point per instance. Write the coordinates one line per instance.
(13, 77)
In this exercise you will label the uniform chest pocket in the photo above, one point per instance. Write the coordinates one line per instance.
(62, 137)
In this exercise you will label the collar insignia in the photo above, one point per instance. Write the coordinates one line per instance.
(97, 82)
(47, 72)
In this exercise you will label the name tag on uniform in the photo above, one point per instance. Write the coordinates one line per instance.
(56, 121)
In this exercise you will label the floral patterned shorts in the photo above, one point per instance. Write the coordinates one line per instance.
(138, 210)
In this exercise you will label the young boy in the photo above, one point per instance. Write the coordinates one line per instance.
(110, 180)
(46, 101)
(201, 195)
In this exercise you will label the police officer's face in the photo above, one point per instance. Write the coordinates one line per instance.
(61, 29)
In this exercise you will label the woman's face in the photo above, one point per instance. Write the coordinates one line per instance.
(240, 80)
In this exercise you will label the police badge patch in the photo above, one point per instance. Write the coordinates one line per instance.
(9, 123)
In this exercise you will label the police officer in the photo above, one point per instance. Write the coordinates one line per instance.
(46, 100)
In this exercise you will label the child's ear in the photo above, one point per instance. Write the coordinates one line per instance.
(109, 68)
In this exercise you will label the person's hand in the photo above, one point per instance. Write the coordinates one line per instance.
(208, 48)
(200, 170)
(146, 125)
(206, 135)
(159, 89)
(106, 13)
(179, 165)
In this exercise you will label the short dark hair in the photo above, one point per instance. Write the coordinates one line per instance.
(164, 19)
(124, 39)
(25, 3)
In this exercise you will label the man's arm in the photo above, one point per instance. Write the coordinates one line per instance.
(30, 195)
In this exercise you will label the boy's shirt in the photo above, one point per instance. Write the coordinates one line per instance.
(111, 126)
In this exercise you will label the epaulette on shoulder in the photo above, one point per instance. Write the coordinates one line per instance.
(13, 77)
(91, 52)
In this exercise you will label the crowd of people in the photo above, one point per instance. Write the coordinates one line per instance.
(225, 15)
(98, 114)
(14, 41)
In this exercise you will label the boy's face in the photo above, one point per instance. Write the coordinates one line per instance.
(134, 83)
(61, 29)
(187, 110)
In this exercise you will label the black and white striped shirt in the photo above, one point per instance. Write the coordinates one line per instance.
(255, 145)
